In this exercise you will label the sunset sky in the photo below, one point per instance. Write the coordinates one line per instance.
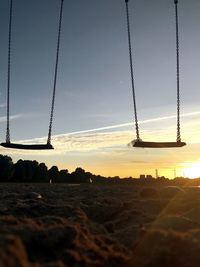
(94, 113)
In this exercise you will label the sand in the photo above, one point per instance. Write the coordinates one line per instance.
(43, 225)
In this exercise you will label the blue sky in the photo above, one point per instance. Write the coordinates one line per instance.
(93, 89)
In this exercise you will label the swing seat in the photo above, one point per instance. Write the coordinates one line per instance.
(146, 144)
(28, 147)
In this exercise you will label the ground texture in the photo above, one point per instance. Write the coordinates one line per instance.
(90, 225)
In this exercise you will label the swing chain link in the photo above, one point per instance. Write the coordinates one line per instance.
(131, 72)
(55, 75)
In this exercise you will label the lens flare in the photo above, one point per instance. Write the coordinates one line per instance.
(193, 171)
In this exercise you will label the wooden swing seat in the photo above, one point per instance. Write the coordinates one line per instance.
(28, 147)
(146, 144)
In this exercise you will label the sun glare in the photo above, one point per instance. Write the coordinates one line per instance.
(193, 171)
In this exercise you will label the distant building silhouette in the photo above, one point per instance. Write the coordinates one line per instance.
(149, 176)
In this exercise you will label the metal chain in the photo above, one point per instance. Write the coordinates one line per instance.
(8, 74)
(177, 73)
(55, 75)
(131, 72)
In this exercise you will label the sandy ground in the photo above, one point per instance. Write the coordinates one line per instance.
(90, 225)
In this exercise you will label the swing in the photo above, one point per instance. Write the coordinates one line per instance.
(138, 142)
(48, 145)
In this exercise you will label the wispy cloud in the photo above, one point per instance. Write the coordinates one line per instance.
(3, 105)
(103, 137)
(12, 117)
(122, 125)
(104, 150)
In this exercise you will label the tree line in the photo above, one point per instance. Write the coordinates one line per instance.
(32, 171)
(25, 171)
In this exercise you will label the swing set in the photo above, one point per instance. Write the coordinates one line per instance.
(135, 143)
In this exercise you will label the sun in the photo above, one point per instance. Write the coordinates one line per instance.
(193, 171)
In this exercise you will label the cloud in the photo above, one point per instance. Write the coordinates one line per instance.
(104, 150)
(122, 125)
(12, 117)
(79, 143)
(100, 139)
(3, 105)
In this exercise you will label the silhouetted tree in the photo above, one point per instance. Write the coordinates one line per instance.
(98, 179)
(35, 170)
(42, 175)
(30, 171)
(53, 173)
(20, 172)
(6, 168)
(80, 176)
(63, 177)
